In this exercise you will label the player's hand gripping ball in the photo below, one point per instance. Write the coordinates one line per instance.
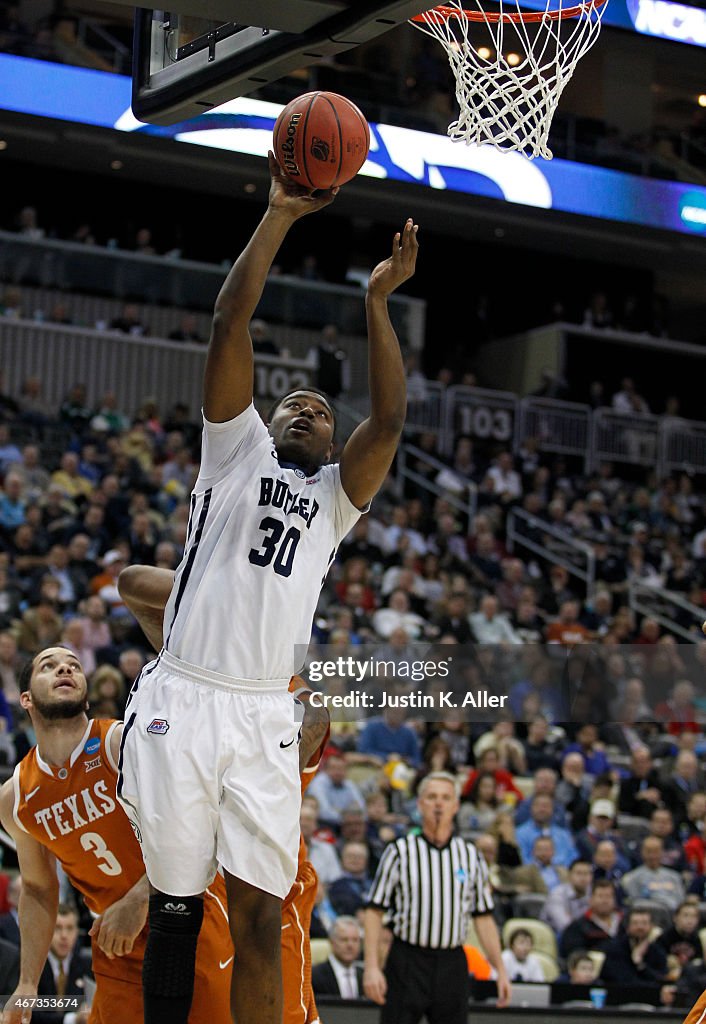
(321, 140)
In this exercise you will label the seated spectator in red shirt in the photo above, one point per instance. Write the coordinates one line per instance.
(490, 762)
(678, 712)
(567, 630)
(356, 570)
(692, 831)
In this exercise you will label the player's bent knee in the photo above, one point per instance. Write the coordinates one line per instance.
(255, 918)
(170, 956)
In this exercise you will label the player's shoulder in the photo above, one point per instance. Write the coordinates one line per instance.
(7, 800)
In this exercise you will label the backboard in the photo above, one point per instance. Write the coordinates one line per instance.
(185, 63)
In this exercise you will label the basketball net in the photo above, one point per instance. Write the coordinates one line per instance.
(511, 67)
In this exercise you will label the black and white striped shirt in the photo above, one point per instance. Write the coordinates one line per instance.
(429, 892)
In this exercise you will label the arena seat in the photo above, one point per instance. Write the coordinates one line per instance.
(598, 959)
(632, 827)
(549, 965)
(525, 786)
(528, 904)
(320, 950)
(543, 937)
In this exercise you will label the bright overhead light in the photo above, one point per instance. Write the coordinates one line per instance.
(3, 144)
(702, 100)
(484, 52)
(116, 165)
(513, 59)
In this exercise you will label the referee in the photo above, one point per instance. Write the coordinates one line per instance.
(426, 887)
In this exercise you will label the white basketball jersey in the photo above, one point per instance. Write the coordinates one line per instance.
(260, 541)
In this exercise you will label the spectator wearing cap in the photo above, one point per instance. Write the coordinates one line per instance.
(652, 881)
(105, 584)
(601, 819)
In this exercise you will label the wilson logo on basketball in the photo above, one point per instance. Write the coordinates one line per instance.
(289, 161)
(320, 149)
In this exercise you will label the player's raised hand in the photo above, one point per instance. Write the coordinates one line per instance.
(289, 197)
(15, 1012)
(400, 265)
(117, 927)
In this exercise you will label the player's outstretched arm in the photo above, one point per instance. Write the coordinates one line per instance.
(370, 449)
(228, 379)
(145, 589)
(39, 900)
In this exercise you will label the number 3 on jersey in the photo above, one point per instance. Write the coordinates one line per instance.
(283, 553)
(107, 861)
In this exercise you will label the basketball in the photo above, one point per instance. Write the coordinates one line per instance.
(321, 140)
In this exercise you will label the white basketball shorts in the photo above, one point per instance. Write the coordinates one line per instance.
(209, 775)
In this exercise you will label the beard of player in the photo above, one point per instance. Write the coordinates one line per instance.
(61, 711)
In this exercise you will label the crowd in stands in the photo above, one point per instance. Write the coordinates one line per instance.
(586, 795)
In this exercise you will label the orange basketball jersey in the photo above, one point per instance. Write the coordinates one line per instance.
(73, 811)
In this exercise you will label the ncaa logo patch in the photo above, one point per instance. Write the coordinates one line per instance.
(158, 726)
(461, 875)
(300, 473)
(92, 746)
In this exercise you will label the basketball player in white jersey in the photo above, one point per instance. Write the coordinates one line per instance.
(209, 764)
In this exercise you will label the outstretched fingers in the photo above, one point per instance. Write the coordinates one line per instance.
(409, 245)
